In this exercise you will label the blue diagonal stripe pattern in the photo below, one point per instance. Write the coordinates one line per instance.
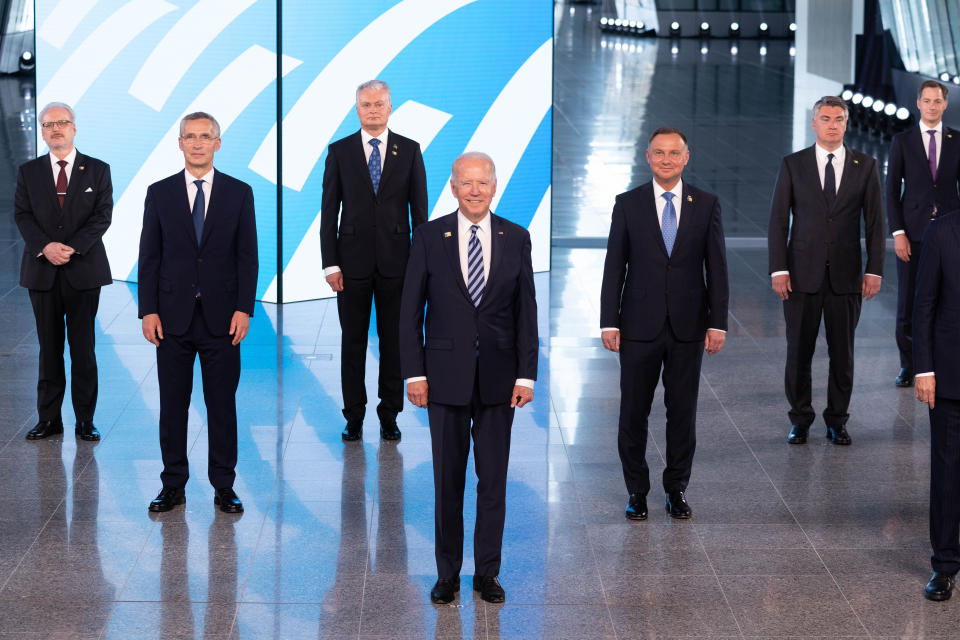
(475, 267)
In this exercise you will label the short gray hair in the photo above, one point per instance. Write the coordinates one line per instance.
(475, 155)
(375, 85)
(57, 105)
(831, 101)
(201, 115)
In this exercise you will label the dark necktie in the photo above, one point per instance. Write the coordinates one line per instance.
(933, 154)
(198, 210)
(374, 164)
(829, 181)
(475, 267)
(62, 182)
(668, 225)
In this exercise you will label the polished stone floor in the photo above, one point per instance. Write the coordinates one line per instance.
(337, 540)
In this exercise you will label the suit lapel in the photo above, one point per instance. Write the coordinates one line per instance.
(49, 184)
(685, 221)
(450, 239)
(498, 241)
(183, 215)
(75, 183)
(851, 173)
(648, 216)
(811, 174)
(362, 168)
(919, 149)
(213, 211)
(389, 157)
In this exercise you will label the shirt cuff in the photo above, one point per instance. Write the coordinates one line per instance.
(525, 382)
(720, 330)
(898, 232)
(779, 273)
(923, 375)
(608, 329)
(875, 275)
(330, 270)
(417, 379)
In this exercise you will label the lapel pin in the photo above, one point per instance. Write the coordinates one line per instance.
(394, 152)
(949, 135)
(81, 167)
(856, 162)
(447, 234)
(499, 233)
(689, 198)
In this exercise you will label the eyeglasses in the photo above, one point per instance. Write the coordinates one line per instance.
(55, 124)
(202, 139)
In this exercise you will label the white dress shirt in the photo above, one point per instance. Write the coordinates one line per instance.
(367, 150)
(925, 137)
(71, 159)
(192, 189)
(463, 241)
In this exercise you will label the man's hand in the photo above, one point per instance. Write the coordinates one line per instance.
(925, 388)
(335, 280)
(57, 253)
(417, 393)
(781, 285)
(522, 395)
(871, 285)
(714, 341)
(611, 340)
(152, 329)
(901, 245)
(239, 325)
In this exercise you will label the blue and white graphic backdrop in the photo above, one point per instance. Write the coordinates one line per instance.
(465, 75)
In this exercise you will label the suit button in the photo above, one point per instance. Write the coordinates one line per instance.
(59, 226)
(199, 259)
(193, 284)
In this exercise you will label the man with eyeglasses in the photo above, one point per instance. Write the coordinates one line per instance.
(63, 206)
(197, 283)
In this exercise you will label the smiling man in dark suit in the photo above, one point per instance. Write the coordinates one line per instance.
(821, 195)
(663, 301)
(375, 184)
(197, 284)
(63, 205)
(923, 174)
(470, 360)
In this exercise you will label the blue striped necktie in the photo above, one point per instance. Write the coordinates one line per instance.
(669, 224)
(475, 267)
(374, 164)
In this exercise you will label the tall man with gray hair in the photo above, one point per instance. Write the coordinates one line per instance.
(374, 194)
(63, 206)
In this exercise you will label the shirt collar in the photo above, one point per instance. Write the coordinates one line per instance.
(71, 158)
(366, 138)
(939, 128)
(207, 177)
(465, 222)
(822, 153)
(677, 190)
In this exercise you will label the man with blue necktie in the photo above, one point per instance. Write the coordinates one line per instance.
(663, 302)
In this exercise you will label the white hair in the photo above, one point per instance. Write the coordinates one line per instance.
(57, 105)
(475, 155)
(375, 85)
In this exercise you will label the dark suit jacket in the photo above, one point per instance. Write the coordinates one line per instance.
(374, 229)
(936, 308)
(820, 234)
(81, 223)
(641, 285)
(174, 267)
(502, 331)
(909, 208)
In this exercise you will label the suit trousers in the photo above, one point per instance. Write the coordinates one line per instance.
(220, 374)
(450, 431)
(79, 307)
(802, 313)
(945, 485)
(641, 363)
(906, 285)
(353, 306)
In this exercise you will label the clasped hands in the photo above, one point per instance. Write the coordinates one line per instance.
(782, 287)
(418, 391)
(153, 329)
(58, 253)
(712, 342)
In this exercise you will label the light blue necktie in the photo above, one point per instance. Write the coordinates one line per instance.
(475, 267)
(198, 210)
(669, 225)
(374, 165)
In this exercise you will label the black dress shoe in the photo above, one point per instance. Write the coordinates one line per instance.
(677, 505)
(798, 434)
(228, 501)
(352, 431)
(86, 431)
(636, 507)
(940, 586)
(167, 499)
(45, 429)
(389, 430)
(444, 591)
(489, 588)
(838, 435)
(904, 379)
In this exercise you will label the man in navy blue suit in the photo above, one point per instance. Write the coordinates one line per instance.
(923, 173)
(470, 360)
(936, 358)
(197, 283)
(663, 302)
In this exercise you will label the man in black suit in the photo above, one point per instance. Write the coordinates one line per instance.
(478, 361)
(63, 205)
(197, 283)
(659, 313)
(923, 173)
(375, 180)
(936, 356)
(815, 263)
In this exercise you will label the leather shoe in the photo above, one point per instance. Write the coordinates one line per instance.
(677, 505)
(798, 434)
(352, 431)
(444, 591)
(904, 378)
(167, 499)
(45, 429)
(389, 430)
(636, 507)
(940, 586)
(838, 435)
(489, 588)
(228, 501)
(86, 431)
